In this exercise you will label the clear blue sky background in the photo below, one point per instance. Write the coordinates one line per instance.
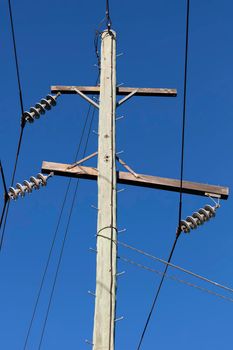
(55, 46)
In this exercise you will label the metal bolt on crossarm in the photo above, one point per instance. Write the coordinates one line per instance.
(34, 184)
(40, 108)
(198, 218)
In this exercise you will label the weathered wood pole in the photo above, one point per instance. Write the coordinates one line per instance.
(104, 320)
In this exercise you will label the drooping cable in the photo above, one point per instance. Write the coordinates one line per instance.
(178, 232)
(54, 236)
(63, 243)
(22, 122)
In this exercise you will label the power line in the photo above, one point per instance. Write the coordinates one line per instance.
(174, 278)
(16, 57)
(193, 274)
(6, 198)
(55, 236)
(157, 294)
(63, 243)
(22, 121)
(155, 258)
(108, 19)
(178, 232)
(60, 215)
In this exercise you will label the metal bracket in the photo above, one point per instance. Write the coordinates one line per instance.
(126, 97)
(88, 99)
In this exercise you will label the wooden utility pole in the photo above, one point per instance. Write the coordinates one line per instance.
(103, 335)
(107, 176)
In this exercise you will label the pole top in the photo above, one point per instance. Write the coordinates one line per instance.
(109, 32)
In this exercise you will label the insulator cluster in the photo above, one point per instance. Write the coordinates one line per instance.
(34, 184)
(198, 218)
(40, 108)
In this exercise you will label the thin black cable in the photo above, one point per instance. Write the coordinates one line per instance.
(16, 58)
(6, 197)
(58, 224)
(108, 19)
(178, 232)
(55, 236)
(22, 122)
(64, 241)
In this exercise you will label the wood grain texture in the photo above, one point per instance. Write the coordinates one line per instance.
(122, 91)
(156, 182)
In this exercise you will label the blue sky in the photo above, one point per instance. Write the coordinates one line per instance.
(55, 47)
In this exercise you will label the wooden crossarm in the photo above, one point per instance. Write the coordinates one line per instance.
(95, 90)
(142, 180)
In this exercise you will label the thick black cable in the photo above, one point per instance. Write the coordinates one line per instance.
(178, 232)
(63, 243)
(157, 294)
(20, 91)
(184, 116)
(54, 236)
(7, 205)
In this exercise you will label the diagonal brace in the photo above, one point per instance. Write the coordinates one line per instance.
(127, 167)
(126, 97)
(88, 99)
(82, 160)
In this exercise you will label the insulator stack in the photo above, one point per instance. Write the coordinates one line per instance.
(40, 108)
(198, 218)
(34, 184)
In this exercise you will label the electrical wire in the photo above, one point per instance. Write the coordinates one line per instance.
(108, 19)
(174, 278)
(6, 198)
(54, 236)
(155, 258)
(63, 243)
(22, 121)
(178, 232)
(56, 231)
(188, 272)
